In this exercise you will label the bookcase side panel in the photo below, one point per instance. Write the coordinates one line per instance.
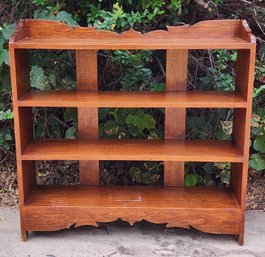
(241, 129)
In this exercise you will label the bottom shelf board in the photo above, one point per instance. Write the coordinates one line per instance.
(209, 209)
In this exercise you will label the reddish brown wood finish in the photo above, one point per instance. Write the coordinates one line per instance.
(132, 149)
(110, 99)
(209, 209)
(214, 210)
(23, 124)
(87, 80)
(41, 34)
(241, 128)
(175, 119)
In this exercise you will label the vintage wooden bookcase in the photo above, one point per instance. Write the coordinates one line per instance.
(209, 209)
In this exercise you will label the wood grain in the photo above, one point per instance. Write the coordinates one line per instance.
(208, 209)
(41, 34)
(241, 128)
(138, 149)
(175, 119)
(23, 123)
(211, 210)
(87, 80)
(121, 99)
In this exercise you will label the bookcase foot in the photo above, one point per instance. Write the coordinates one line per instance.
(24, 235)
(240, 239)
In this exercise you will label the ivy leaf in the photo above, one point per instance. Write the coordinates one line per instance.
(190, 180)
(259, 144)
(135, 174)
(4, 57)
(134, 130)
(130, 119)
(257, 162)
(66, 18)
(9, 30)
(258, 91)
(70, 132)
(149, 121)
(111, 128)
(38, 77)
(8, 115)
(146, 178)
(8, 137)
(2, 40)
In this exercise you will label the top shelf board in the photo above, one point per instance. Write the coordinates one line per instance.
(212, 34)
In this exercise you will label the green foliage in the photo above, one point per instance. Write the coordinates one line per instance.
(259, 143)
(191, 179)
(218, 77)
(119, 20)
(127, 123)
(148, 174)
(257, 162)
(133, 71)
(8, 30)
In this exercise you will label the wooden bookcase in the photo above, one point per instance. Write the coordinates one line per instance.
(209, 209)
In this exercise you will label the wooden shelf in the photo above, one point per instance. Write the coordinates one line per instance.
(80, 205)
(143, 99)
(142, 44)
(133, 197)
(148, 150)
(41, 34)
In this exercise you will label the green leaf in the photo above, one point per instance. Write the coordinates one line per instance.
(111, 128)
(190, 180)
(9, 30)
(149, 121)
(193, 180)
(134, 130)
(257, 162)
(2, 40)
(135, 174)
(146, 178)
(38, 77)
(130, 119)
(258, 91)
(259, 144)
(66, 18)
(70, 132)
(8, 137)
(4, 57)
(7, 115)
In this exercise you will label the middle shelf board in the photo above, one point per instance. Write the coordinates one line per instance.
(134, 150)
(144, 99)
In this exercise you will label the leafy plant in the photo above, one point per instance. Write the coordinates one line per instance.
(136, 71)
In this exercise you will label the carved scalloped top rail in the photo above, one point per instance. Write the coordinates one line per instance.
(213, 34)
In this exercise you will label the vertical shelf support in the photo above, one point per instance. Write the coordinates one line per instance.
(241, 130)
(87, 80)
(175, 119)
(23, 123)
